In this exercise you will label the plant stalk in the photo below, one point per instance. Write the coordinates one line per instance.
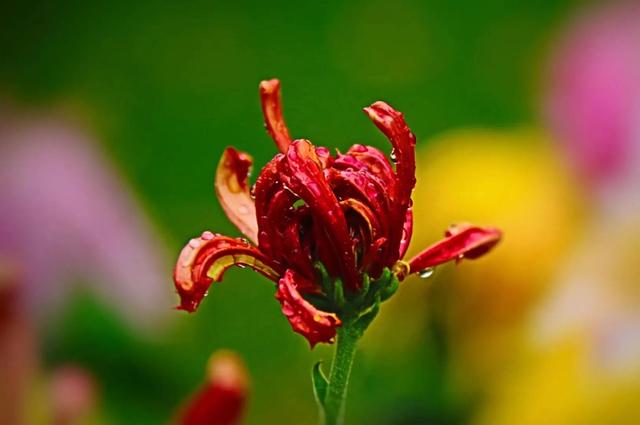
(347, 339)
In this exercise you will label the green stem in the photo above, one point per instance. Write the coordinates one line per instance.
(340, 371)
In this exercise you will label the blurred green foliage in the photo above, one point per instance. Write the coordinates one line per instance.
(167, 86)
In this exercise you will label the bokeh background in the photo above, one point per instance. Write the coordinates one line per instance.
(113, 116)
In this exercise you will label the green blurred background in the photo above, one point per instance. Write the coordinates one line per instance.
(164, 87)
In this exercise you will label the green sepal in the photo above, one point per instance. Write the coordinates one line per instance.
(338, 293)
(325, 279)
(320, 384)
(362, 294)
(362, 323)
(390, 289)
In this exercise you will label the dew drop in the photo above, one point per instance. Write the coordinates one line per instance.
(194, 243)
(206, 235)
(393, 156)
(252, 192)
(426, 273)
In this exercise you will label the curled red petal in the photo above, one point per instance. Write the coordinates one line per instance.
(206, 258)
(376, 163)
(232, 187)
(393, 125)
(222, 398)
(365, 187)
(302, 174)
(272, 111)
(465, 241)
(407, 232)
(315, 325)
(265, 190)
(366, 225)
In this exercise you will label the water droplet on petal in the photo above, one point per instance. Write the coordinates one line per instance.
(393, 156)
(206, 235)
(194, 243)
(426, 273)
(252, 192)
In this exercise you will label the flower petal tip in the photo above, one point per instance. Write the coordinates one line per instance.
(272, 111)
(462, 241)
(269, 86)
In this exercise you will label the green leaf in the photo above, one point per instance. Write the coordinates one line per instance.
(320, 384)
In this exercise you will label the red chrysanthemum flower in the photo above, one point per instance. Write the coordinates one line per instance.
(330, 231)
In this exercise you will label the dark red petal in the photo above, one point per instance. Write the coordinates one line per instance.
(363, 186)
(206, 258)
(315, 325)
(376, 163)
(276, 221)
(267, 186)
(302, 174)
(272, 111)
(366, 214)
(222, 399)
(297, 252)
(464, 241)
(392, 124)
(233, 191)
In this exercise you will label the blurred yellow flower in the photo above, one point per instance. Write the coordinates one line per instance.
(559, 386)
(512, 179)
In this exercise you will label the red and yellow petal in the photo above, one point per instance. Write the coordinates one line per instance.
(461, 241)
(315, 325)
(272, 111)
(232, 187)
(205, 259)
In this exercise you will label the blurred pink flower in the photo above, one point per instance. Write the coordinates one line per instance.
(73, 394)
(66, 217)
(593, 93)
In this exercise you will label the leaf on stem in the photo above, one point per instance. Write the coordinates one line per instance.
(320, 384)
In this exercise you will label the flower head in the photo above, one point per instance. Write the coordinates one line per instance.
(329, 230)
